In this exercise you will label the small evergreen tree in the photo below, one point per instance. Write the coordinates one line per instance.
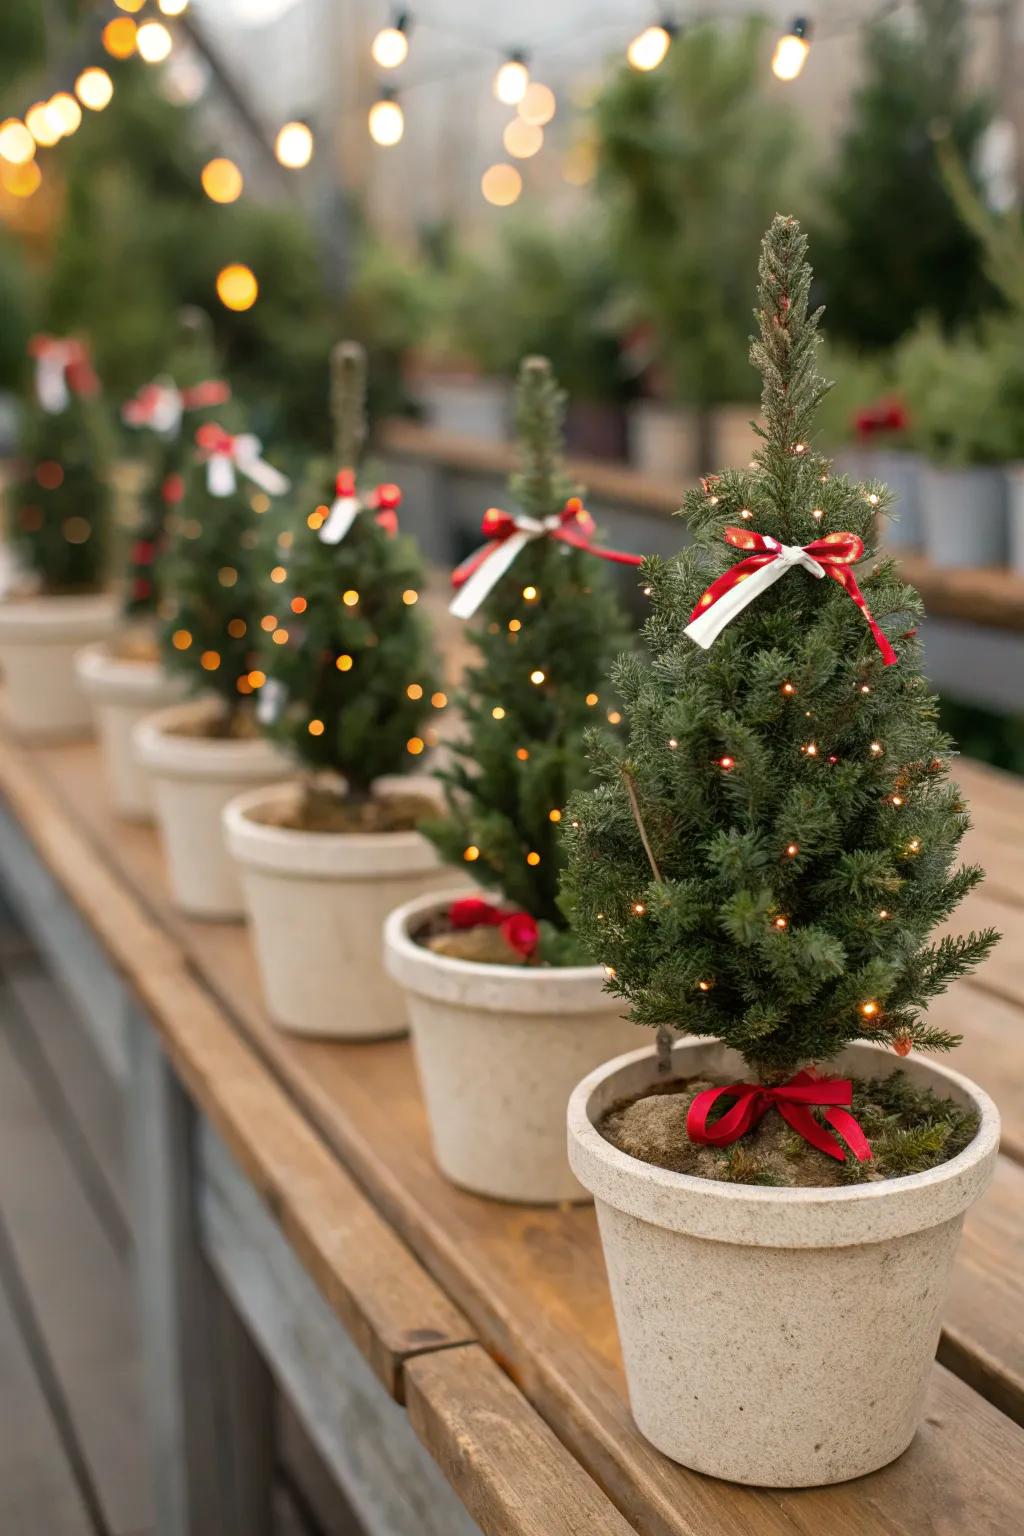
(887, 176)
(169, 409)
(215, 568)
(546, 634)
(767, 856)
(61, 503)
(350, 657)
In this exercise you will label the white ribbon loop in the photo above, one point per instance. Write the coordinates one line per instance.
(220, 475)
(51, 378)
(494, 565)
(343, 513)
(247, 451)
(706, 628)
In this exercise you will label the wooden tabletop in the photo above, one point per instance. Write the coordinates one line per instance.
(335, 1138)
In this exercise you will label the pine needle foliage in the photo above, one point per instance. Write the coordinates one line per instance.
(215, 568)
(166, 457)
(792, 791)
(61, 503)
(356, 666)
(546, 635)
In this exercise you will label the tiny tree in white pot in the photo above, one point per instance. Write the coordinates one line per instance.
(761, 868)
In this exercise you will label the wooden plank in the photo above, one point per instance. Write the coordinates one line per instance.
(502, 1460)
(385, 1299)
(38, 1492)
(993, 598)
(72, 1077)
(391, 1484)
(83, 1308)
(533, 1281)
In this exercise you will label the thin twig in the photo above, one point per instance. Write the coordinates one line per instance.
(630, 783)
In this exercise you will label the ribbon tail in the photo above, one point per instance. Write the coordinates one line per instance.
(582, 541)
(482, 580)
(842, 1121)
(732, 1125)
(221, 479)
(707, 626)
(51, 385)
(265, 476)
(343, 513)
(805, 1125)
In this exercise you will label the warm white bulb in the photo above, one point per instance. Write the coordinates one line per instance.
(390, 47)
(43, 124)
(65, 111)
(17, 144)
(173, 7)
(511, 81)
(538, 106)
(790, 56)
(294, 146)
(154, 42)
(648, 49)
(522, 139)
(94, 88)
(387, 122)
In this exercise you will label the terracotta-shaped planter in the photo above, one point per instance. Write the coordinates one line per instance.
(499, 1047)
(193, 779)
(964, 514)
(901, 472)
(122, 693)
(781, 1337)
(39, 638)
(317, 903)
(662, 440)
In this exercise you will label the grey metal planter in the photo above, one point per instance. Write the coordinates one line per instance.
(965, 515)
(901, 472)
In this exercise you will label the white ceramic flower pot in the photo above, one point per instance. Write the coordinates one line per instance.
(193, 779)
(122, 693)
(1015, 498)
(39, 638)
(662, 440)
(781, 1337)
(901, 473)
(317, 903)
(499, 1047)
(964, 515)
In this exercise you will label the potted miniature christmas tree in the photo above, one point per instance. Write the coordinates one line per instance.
(760, 868)
(55, 565)
(349, 686)
(123, 676)
(202, 753)
(496, 991)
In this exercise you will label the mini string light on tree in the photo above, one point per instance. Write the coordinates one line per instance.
(545, 625)
(776, 866)
(349, 655)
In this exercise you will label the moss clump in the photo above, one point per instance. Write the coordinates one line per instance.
(910, 1130)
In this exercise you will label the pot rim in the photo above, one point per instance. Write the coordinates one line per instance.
(58, 616)
(107, 676)
(198, 757)
(492, 988)
(291, 851)
(765, 1216)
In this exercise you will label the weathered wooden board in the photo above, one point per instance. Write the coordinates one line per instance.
(38, 1492)
(83, 1309)
(533, 1282)
(389, 1480)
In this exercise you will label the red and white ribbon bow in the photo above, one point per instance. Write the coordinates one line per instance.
(225, 453)
(62, 364)
(509, 535)
(160, 404)
(832, 555)
(346, 507)
(794, 1101)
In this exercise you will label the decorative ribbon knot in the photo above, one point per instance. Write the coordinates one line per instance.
(224, 453)
(63, 363)
(508, 535)
(160, 404)
(730, 593)
(347, 505)
(518, 929)
(794, 1101)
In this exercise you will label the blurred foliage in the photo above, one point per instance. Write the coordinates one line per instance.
(693, 163)
(892, 246)
(391, 305)
(965, 393)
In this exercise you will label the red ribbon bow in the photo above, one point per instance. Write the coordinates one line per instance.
(573, 526)
(71, 356)
(384, 500)
(518, 929)
(199, 397)
(794, 1101)
(835, 553)
(212, 438)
